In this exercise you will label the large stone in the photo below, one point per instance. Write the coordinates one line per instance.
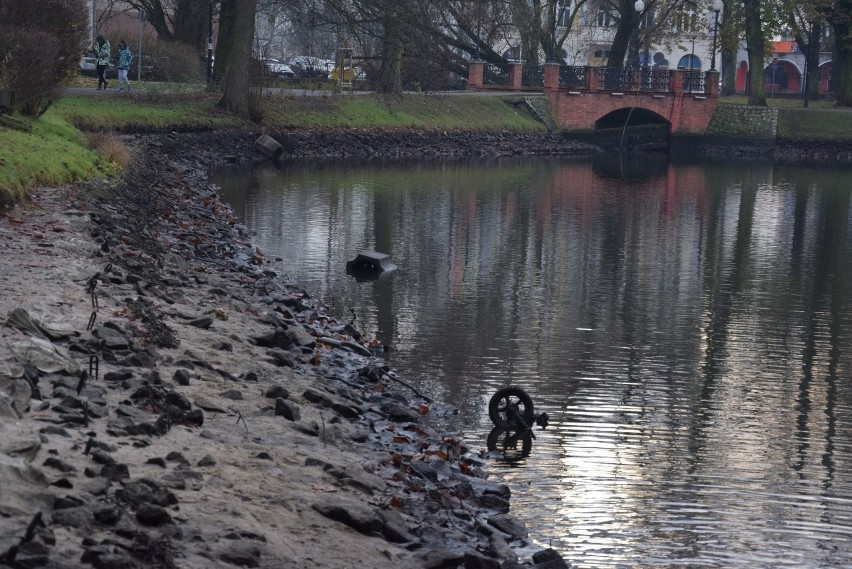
(301, 337)
(508, 525)
(288, 410)
(23, 490)
(355, 515)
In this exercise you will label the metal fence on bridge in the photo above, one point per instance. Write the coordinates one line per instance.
(494, 74)
(634, 79)
(532, 76)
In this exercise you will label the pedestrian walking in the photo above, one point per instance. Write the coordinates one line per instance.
(102, 53)
(124, 58)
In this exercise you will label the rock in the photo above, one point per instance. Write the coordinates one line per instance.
(152, 515)
(300, 337)
(399, 413)
(204, 322)
(108, 515)
(181, 377)
(395, 529)
(207, 460)
(120, 375)
(32, 554)
(476, 561)
(80, 517)
(276, 391)
(282, 358)
(179, 400)
(113, 339)
(498, 546)
(232, 394)
(61, 466)
(508, 525)
(277, 339)
(355, 515)
(441, 559)
(288, 410)
(242, 554)
(494, 502)
(208, 405)
(549, 559)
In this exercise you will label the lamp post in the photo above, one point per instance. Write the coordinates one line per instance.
(552, 56)
(210, 44)
(717, 6)
(639, 6)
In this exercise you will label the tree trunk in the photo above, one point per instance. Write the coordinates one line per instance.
(390, 77)
(729, 72)
(237, 82)
(812, 57)
(225, 39)
(842, 66)
(628, 21)
(191, 19)
(755, 49)
(842, 71)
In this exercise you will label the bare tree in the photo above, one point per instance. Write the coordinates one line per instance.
(236, 97)
(185, 21)
(756, 52)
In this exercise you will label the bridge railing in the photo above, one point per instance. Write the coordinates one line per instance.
(634, 79)
(532, 76)
(496, 74)
(552, 77)
(693, 82)
(572, 76)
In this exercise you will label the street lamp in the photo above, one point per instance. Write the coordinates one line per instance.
(639, 6)
(210, 44)
(717, 6)
(552, 55)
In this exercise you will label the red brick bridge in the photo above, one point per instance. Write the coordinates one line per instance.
(586, 98)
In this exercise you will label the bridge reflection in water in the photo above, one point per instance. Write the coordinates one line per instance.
(687, 328)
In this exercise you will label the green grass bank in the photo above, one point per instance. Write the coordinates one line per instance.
(62, 147)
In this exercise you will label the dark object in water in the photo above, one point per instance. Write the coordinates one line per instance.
(512, 408)
(369, 263)
(270, 147)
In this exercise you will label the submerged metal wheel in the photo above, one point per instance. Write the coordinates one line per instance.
(511, 407)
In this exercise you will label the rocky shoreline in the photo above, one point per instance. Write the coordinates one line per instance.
(168, 400)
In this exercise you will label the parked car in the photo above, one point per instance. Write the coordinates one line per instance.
(88, 64)
(277, 69)
(308, 66)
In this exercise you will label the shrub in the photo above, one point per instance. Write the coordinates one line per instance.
(110, 148)
(40, 47)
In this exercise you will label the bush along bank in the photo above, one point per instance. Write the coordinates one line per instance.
(195, 409)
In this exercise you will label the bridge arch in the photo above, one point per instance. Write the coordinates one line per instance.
(630, 128)
(630, 116)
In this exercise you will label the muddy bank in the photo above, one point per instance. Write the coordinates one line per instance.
(169, 400)
(780, 151)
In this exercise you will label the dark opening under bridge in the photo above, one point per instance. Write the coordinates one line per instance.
(652, 103)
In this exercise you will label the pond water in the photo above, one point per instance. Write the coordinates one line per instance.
(687, 327)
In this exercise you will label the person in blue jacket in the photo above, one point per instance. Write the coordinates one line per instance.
(102, 54)
(124, 58)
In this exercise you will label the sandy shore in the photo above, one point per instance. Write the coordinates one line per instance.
(168, 400)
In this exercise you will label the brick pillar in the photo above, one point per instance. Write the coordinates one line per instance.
(551, 77)
(677, 81)
(591, 78)
(711, 83)
(475, 75)
(516, 75)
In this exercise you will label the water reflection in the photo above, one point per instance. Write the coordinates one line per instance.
(686, 327)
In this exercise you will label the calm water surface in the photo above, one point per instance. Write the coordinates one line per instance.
(688, 328)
